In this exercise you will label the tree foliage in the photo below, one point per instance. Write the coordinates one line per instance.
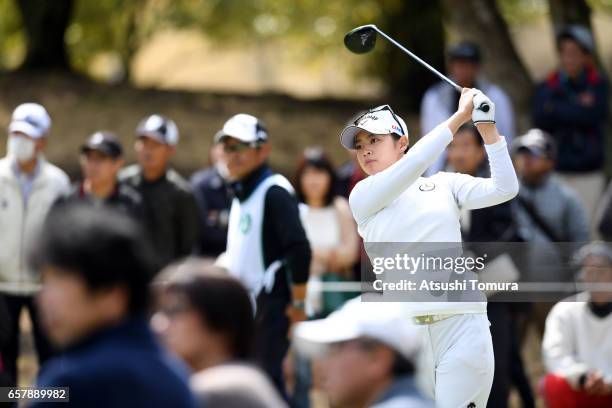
(311, 27)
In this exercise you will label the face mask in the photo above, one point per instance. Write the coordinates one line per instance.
(21, 148)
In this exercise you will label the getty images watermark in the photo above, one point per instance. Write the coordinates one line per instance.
(429, 269)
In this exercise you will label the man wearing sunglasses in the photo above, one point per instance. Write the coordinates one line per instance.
(267, 248)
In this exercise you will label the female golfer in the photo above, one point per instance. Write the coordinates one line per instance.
(395, 204)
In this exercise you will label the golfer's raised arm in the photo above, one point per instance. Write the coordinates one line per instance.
(476, 192)
(378, 190)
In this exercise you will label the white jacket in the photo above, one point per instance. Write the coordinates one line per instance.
(576, 341)
(20, 222)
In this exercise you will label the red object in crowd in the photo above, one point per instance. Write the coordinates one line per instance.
(356, 177)
(558, 393)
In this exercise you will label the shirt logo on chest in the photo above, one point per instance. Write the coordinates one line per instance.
(245, 223)
(427, 186)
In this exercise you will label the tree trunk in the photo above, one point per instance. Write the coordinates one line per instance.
(45, 23)
(480, 21)
(563, 12)
(418, 26)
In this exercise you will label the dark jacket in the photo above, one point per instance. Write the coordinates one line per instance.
(170, 212)
(283, 234)
(604, 221)
(577, 127)
(212, 196)
(120, 366)
(491, 224)
(124, 199)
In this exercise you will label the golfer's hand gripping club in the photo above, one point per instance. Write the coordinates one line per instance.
(484, 109)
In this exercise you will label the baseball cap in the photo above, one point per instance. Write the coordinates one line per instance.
(104, 142)
(536, 142)
(378, 121)
(384, 322)
(465, 50)
(160, 128)
(580, 34)
(31, 119)
(244, 127)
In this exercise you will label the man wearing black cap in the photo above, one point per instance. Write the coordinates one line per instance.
(440, 101)
(171, 213)
(546, 211)
(571, 105)
(101, 160)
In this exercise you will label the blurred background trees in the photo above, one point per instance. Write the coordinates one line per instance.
(78, 35)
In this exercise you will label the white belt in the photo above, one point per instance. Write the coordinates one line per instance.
(429, 319)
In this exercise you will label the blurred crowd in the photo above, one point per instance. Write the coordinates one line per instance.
(148, 289)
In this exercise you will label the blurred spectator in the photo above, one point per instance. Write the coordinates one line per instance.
(101, 160)
(96, 269)
(267, 249)
(334, 242)
(571, 104)
(330, 229)
(348, 175)
(547, 211)
(5, 335)
(211, 193)
(29, 185)
(440, 101)
(206, 318)
(368, 351)
(466, 154)
(577, 349)
(170, 209)
(604, 215)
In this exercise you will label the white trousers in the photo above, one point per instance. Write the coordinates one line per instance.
(455, 366)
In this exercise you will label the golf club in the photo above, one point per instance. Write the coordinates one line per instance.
(362, 39)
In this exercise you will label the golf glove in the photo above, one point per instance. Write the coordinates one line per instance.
(484, 109)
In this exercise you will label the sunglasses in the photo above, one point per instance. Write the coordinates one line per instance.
(238, 147)
(381, 109)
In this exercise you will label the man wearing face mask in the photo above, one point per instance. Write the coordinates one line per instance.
(29, 185)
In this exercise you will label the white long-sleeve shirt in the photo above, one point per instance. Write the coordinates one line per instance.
(439, 103)
(576, 341)
(398, 205)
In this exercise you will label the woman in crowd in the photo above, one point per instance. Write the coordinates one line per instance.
(206, 318)
(329, 227)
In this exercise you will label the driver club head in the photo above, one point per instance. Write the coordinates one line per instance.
(361, 39)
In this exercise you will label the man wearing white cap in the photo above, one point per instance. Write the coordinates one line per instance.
(367, 352)
(267, 248)
(29, 185)
(170, 210)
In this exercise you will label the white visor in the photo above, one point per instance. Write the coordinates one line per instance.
(378, 121)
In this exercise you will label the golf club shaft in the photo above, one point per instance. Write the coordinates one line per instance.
(420, 61)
